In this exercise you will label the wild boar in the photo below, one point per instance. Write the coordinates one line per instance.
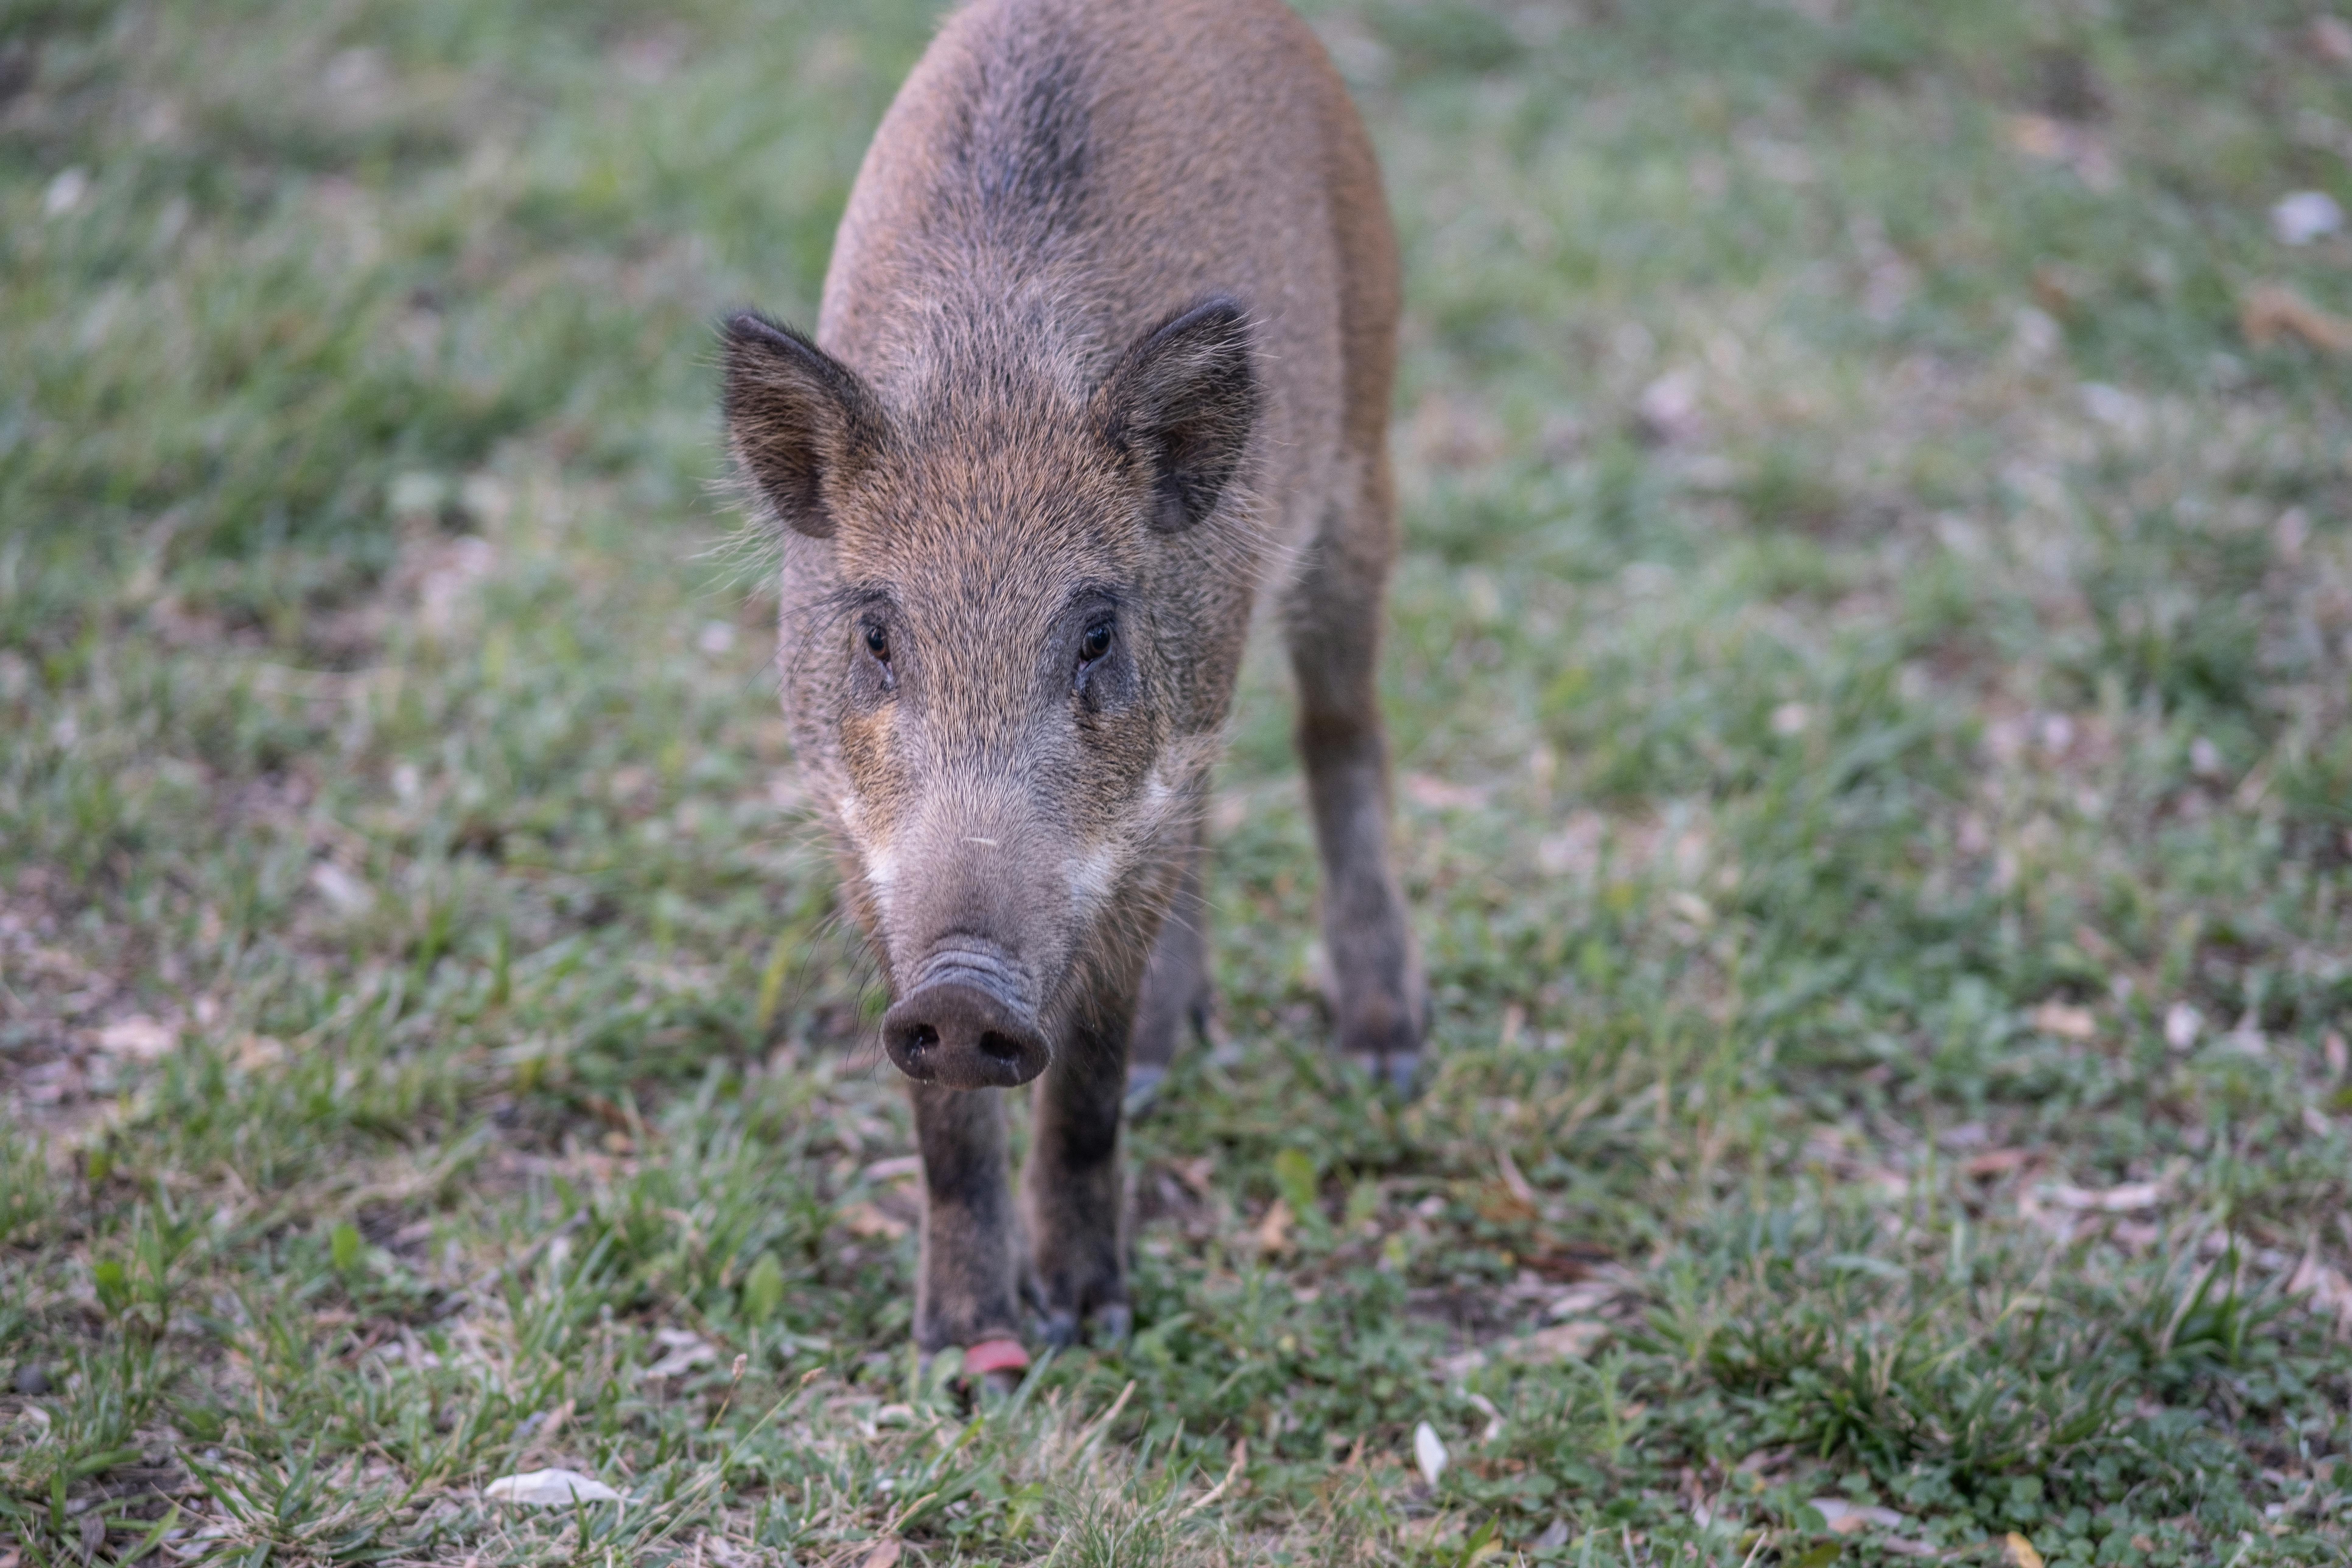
(1103, 364)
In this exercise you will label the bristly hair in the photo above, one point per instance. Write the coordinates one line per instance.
(1021, 143)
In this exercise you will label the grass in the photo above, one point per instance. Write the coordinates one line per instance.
(1870, 677)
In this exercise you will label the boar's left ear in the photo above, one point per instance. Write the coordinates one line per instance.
(798, 420)
(1181, 405)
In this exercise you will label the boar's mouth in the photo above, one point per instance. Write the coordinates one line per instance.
(967, 1022)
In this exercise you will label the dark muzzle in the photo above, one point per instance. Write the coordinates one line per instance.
(966, 1025)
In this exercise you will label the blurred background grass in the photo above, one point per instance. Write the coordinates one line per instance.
(1869, 675)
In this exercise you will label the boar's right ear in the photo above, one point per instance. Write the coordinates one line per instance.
(798, 420)
(1181, 405)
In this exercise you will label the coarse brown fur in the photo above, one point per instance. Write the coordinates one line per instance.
(1106, 355)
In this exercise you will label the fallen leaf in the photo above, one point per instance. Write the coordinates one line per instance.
(2054, 141)
(1513, 1178)
(1197, 1174)
(339, 888)
(258, 1051)
(1437, 794)
(2126, 1199)
(2017, 1551)
(865, 1219)
(2038, 136)
(885, 1555)
(2330, 1291)
(1575, 847)
(1572, 1341)
(1274, 1230)
(687, 1352)
(1579, 1300)
(1995, 1163)
(2272, 311)
(1845, 1516)
(550, 1489)
(2057, 289)
(1455, 1368)
(1428, 1452)
(2066, 1022)
(895, 1169)
(138, 1036)
(1496, 1202)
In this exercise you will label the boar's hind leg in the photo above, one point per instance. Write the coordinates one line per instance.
(1333, 630)
(1071, 1188)
(1176, 988)
(968, 1289)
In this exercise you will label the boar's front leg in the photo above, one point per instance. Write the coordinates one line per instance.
(967, 1290)
(1333, 631)
(1176, 989)
(1071, 1188)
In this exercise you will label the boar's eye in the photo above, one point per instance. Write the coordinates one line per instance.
(1096, 643)
(877, 641)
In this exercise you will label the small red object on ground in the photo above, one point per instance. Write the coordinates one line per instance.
(995, 1355)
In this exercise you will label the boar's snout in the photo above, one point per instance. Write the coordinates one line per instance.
(964, 1026)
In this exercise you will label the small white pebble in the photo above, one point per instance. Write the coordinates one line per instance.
(2304, 216)
(65, 193)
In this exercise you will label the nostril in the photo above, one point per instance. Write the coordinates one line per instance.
(962, 1036)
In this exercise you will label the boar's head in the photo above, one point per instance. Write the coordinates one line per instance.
(1007, 641)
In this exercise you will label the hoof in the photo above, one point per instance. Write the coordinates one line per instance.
(1111, 1325)
(1103, 1327)
(1397, 1072)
